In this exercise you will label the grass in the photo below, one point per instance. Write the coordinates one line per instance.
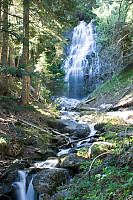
(115, 87)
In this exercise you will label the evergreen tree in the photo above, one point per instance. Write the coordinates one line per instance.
(4, 82)
(25, 55)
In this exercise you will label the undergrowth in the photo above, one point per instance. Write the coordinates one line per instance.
(111, 177)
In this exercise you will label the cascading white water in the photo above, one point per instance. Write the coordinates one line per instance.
(23, 192)
(77, 65)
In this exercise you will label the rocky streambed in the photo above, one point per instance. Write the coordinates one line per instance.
(70, 134)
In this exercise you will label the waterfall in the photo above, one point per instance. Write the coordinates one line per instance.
(24, 191)
(82, 61)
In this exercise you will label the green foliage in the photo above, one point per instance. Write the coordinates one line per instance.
(54, 74)
(114, 28)
(22, 108)
(6, 98)
(2, 140)
(84, 11)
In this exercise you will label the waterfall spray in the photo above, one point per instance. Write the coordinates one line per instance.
(80, 60)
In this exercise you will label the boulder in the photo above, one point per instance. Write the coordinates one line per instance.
(47, 180)
(61, 195)
(99, 127)
(72, 161)
(45, 153)
(81, 131)
(56, 123)
(69, 126)
(44, 197)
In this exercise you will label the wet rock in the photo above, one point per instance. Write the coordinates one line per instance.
(71, 127)
(9, 174)
(5, 189)
(72, 161)
(44, 197)
(60, 195)
(47, 180)
(45, 153)
(99, 127)
(82, 131)
(56, 123)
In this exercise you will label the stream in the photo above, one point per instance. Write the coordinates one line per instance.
(24, 187)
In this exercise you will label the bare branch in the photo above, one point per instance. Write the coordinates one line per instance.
(88, 173)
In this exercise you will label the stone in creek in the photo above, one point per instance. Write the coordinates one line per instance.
(61, 195)
(47, 180)
(72, 161)
(69, 126)
(44, 197)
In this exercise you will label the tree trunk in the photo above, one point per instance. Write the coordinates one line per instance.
(25, 55)
(12, 57)
(25, 90)
(4, 83)
(0, 32)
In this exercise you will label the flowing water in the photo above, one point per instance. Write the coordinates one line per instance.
(82, 61)
(24, 190)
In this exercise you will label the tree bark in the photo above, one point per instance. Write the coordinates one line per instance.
(4, 82)
(25, 55)
(12, 57)
(0, 31)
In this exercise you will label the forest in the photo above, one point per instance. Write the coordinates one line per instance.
(66, 99)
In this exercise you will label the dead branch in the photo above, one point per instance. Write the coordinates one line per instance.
(71, 142)
(88, 173)
(30, 124)
(94, 161)
(57, 133)
(99, 143)
(86, 108)
(33, 90)
(122, 38)
(6, 196)
(90, 100)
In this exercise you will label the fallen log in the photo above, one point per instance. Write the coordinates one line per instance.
(90, 100)
(31, 124)
(116, 105)
(123, 105)
(86, 108)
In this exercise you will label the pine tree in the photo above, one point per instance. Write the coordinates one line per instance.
(4, 82)
(25, 55)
